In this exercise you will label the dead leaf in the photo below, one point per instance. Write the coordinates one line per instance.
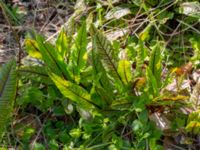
(185, 69)
(117, 13)
(161, 121)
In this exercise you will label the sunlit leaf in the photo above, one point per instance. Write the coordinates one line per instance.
(32, 48)
(195, 42)
(62, 43)
(79, 51)
(141, 55)
(102, 82)
(124, 70)
(121, 104)
(194, 127)
(89, 20)
(52, 58)
(152, 82)
(145, 34)
(104, 51)
(155, 64)
(193, 122)
(175, 98)
(74, 92)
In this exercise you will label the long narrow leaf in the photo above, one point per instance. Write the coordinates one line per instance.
(124, 69)
(104, 51)
(78, 56)
(152, 83)
(62, 43)
(52, 58)
(81, 45)
(140, 58)
(155, 63)
(32, 48)
(35, 73)
(74, 92)
(100, 76)
(9, 13)
(8, 86)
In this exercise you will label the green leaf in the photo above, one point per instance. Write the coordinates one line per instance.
(79, 56)
(121, 104)
(74, 92)
(89, 20)
(31, 95)
(53, 145)
(9, 13)
(193, 123)
(62, 43)
(81, 45)
(195, 42)
(124, 70)
(141, 54)
(154, 145)
(80, 8)
(165, 16)
(155, 64)
(8, 88)
(75, 133)
(100, 78)
(145, 34)
(101, 96)
(38, 146)
(32, 48)
(52, 58)
(152, 83)
(35, 73)
(104, 52)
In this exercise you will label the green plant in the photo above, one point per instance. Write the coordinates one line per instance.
(88, 91)
(11, 13)
(8, 88)
(99, 86)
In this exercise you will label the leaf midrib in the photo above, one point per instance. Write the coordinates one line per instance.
(109, 59)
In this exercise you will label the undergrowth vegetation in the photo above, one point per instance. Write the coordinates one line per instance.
(117, 75)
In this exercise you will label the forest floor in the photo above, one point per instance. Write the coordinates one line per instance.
(44, 16)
